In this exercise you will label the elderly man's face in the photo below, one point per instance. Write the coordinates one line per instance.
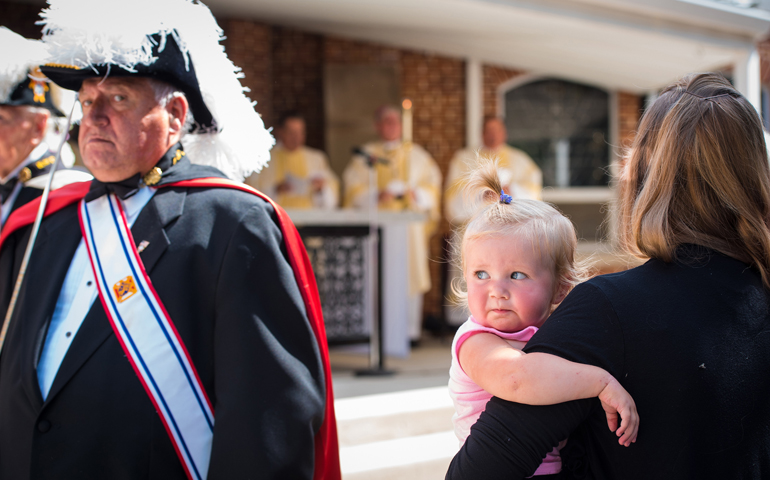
(494, 134)
(21, 130)
(124, 130)
(389, 126)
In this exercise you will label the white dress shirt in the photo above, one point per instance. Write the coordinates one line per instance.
(77, 295)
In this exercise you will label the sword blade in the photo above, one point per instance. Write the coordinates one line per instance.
(33, 235)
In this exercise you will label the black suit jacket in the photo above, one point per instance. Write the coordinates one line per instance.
(27, 194)
(217, 261)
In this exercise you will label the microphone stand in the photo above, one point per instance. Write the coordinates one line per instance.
(376, 356)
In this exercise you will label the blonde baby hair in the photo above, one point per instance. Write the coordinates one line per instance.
(551, 234)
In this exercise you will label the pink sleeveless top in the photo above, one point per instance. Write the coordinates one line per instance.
(470, 399)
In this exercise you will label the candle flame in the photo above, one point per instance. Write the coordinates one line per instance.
(406, 104)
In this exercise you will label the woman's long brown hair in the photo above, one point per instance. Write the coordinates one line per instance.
(698, 173)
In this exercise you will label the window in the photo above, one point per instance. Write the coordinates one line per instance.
(564, 127)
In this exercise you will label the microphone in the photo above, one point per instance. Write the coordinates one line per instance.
(371, 160)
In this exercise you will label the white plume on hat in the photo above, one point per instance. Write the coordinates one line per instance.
(17, 56)
(84, 33)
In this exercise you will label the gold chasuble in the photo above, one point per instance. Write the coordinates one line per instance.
(413, 179)
(519, 174)
(295, 171)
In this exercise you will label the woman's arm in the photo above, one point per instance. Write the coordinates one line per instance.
(510, 440)
(535, 379)
(543, 379)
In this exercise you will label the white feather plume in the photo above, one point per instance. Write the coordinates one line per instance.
(84, 33)
(17, 56)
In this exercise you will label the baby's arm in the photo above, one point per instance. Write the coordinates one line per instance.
(543, 379)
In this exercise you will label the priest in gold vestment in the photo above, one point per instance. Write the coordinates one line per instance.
(408, 179)
(519, 173)
(297, 176)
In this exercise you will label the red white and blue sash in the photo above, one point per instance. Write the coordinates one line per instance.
(147, 334)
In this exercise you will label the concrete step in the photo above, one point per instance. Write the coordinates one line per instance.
(404, 435)
(387, 416)
(422, 457)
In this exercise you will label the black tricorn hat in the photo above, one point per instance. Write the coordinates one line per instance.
(33, 91)
(21, 82)
(171, 66)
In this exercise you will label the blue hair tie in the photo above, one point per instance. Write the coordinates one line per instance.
(505, 198)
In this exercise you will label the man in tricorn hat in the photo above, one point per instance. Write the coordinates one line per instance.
(27, 104)
(205, 355)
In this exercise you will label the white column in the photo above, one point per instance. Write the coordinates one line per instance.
(474, 103)
(746, 77)
(652, 95)
(562, 162)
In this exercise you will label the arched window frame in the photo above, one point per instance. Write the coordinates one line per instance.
(584, 195)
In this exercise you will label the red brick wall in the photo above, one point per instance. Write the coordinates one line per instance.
(764, 61)
(492, 77)
(249, 45)
(436, 86)
(629, 113)
(283, 68)
(298, 80)
(342, 51)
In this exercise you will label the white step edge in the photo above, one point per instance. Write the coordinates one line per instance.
(407, 424)
(395, 458)
(388, 404)
(374, 418)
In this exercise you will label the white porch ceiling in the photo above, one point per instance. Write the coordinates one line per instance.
(634, 45)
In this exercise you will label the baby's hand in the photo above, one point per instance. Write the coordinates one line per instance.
(616, 400)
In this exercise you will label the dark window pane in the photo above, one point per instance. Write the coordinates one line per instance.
(564, 127)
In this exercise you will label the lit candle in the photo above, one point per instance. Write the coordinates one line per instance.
(406, 122)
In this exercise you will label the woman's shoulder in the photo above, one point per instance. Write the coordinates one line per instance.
(652, 271)
(691, 263)
(622, 280)
(702, 284)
